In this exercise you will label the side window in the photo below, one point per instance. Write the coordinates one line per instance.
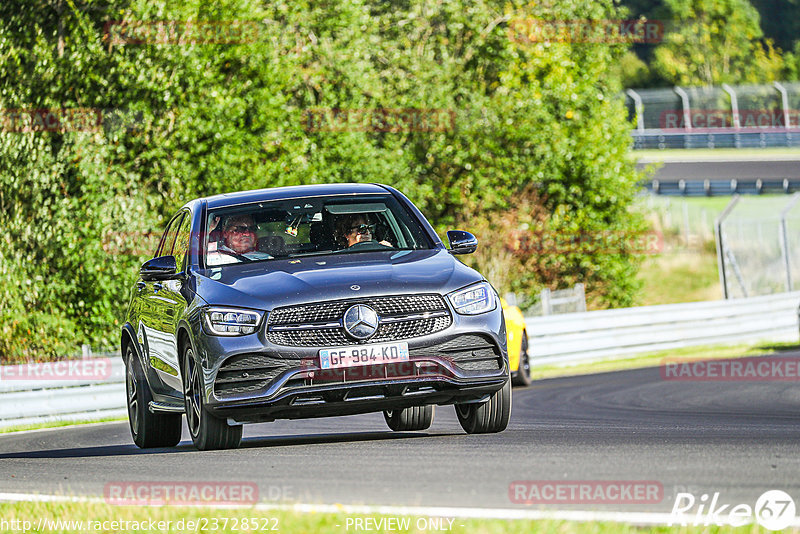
(168, 240)
(182, 243)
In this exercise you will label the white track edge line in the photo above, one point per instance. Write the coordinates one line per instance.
(638, 518)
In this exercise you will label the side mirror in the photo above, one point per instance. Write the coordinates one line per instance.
(161, 268)
(461, 242)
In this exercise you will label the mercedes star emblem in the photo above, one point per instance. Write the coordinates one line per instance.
(360, 321)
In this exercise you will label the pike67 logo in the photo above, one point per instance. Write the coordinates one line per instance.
(773, 510)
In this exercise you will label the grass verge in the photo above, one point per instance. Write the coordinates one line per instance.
(675, 278)
(706, 154)
(94, 517)
(58, 424)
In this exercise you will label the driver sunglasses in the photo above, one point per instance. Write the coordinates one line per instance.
(241, 229)
(363, 228)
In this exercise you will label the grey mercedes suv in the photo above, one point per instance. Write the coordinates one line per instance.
(309, 301)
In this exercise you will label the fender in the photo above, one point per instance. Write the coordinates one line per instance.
(130, 332)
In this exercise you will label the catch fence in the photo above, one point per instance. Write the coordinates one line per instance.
(742, 116)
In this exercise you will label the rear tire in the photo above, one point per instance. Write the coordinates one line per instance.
(208, 432)
(408, 419)
(523, 377)
(488, 417)
(148, 429)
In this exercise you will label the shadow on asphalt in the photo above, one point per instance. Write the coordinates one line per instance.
(90, 452)
(313, 439)
(248, 443)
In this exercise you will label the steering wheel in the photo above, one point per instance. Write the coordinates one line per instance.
(367, 244)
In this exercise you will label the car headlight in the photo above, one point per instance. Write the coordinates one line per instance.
(231, 321)
(475, 299)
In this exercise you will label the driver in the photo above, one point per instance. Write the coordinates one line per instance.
(238, 242)
(353, 229)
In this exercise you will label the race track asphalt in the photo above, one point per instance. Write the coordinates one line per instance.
(738, 169)
(736, 438)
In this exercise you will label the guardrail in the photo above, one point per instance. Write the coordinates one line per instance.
(559, 301)
(587, 336)
(560, 339)
(719, 138)
(50, 395)
(714, 117)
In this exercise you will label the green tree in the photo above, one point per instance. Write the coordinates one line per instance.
(714, 42)
(184, 119)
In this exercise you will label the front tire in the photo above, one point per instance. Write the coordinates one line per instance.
(409, 419)
(148, 429)
(523, 377)
(208, 432)
(488, 417)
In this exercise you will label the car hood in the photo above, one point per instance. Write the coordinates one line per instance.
(271, 284)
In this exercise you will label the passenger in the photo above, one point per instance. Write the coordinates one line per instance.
(353, 229)
(238, 243)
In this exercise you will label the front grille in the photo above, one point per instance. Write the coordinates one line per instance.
(396, 314)
(328, 337)
(247, 373)
(334, 310)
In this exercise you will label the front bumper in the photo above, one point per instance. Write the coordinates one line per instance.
(356, 398)
(467, 362)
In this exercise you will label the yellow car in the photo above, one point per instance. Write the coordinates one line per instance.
(517, 338)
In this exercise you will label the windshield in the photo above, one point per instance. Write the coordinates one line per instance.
(317, 225)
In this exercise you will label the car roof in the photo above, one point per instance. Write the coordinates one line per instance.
(298, 191)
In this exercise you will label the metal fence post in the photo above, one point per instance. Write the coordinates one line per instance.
(734, 111)
(784, 103)
(734, 105)
(687, 114)
(718, 237)
(580, 295)
(637, 102)
(547, 308)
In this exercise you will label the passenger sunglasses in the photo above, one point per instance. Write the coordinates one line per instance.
(363, 228)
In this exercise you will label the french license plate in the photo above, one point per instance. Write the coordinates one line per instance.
(363, 355)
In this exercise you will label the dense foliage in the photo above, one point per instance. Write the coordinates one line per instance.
(711, 42)
(532, 141)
